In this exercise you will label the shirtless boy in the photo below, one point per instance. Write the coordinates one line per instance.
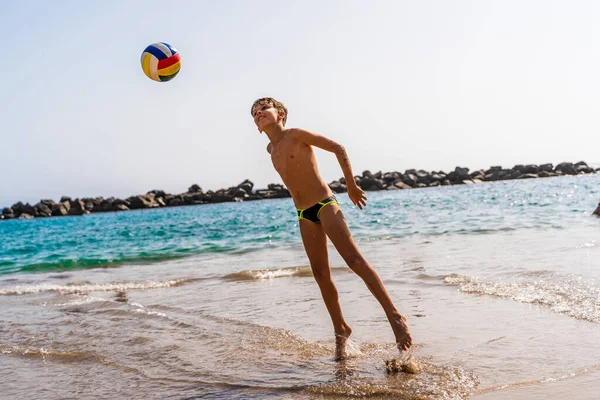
(320, 216)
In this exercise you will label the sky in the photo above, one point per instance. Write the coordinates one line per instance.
(401, 84)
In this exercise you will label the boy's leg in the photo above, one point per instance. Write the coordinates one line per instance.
(315, 244)
(334, 225)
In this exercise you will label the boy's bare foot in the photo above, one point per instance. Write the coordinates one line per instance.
(340, 342)
(400, 328)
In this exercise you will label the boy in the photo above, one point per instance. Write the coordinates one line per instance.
(320, 216)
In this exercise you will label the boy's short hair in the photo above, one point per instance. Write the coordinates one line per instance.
(277, 104)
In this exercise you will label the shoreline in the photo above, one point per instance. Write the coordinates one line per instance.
(410, 179)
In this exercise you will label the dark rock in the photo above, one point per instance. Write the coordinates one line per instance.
(59, 210)
(493, 169)
(48, 203)
(174, 202)
(409, 179)
(410, 172)
(528, 176)
(546, 167)
(435, 184)
(493, 176)
(189, 199)
(367, 174)
(338, 187)
(26, 216)
(125, 203)
(7, 211)
(423, 177)
(504, 174)
(157, 193)
(531, 169)
(475, 174)
(77, 207)
(43, 210)
(272, 194)
(107, 205)
(93, 204)
(390, 177)
(436, 177)
(461, 173)
(421, 185)
(140, 201)
(566, 168)
(275, 186)
(446, 182)
(582, 167)
(20, 208)
(401, 185)
(378, 175)
(120, 207)
(371, 184)
(252, 197)
(237, 192)
(519, 167)
(247, 186)
(65, 198)
(516, 174)
(194, 189)
(546, 174)
(221, 198)
(17, 208)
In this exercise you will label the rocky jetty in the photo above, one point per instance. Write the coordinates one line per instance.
(245, 191)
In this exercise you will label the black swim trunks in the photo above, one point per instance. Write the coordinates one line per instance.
(312, 213)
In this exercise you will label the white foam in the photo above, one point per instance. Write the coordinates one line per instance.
(569, 295)
(89, 287)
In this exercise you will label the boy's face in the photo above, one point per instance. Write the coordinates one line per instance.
(264, 114)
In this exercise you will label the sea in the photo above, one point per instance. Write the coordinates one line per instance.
(499, 282)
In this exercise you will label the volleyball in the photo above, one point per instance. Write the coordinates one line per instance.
(161, 62)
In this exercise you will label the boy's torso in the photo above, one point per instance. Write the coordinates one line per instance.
(296, 164)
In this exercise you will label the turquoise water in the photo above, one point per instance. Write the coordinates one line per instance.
(111, 239)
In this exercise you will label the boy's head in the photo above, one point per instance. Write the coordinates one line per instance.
(268, 110)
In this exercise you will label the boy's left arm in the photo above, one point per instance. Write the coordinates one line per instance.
(356, 194)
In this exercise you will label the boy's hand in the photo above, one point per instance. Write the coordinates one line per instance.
(357, 195)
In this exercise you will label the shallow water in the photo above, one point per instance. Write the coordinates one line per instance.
(499, 282)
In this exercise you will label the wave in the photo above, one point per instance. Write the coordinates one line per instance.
(92, 287)
(44, 353)
(262, 274)
(568, 295)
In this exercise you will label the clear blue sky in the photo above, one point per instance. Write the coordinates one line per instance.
(402, 84)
